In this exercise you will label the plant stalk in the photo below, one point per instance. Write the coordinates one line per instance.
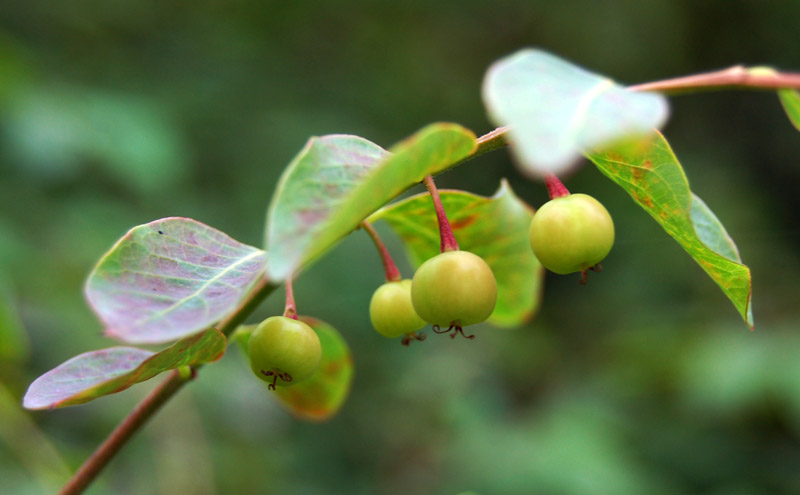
(389, 267)
(555, 187)
(290, 311)
(448, 242)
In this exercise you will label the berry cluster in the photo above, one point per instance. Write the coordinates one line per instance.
(570, 233)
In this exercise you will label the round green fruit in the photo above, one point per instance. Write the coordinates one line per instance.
(454, 288)
(571, 234)
(284, 348)
(391, 311)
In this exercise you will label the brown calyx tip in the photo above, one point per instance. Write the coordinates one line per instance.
(585, 276)
(412, 336)
(275, 374)
(454, 329)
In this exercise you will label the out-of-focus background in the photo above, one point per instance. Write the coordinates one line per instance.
(116, 113)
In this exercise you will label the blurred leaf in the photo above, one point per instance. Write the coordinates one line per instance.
(337, 181)
(649, 171)
(55, 131)
(496, 229)
(170, 278)
(556, 109)
(30, 445)
(107, 371)
(14, 344)
(320, 397)
(790, 99)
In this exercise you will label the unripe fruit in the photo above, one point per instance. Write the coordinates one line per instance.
(391, 311)
(571, 234)
(284, 348)
(455, 288)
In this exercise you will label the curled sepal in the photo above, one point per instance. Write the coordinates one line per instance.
(170, 278)
(650, 172)
(555, 109)
(107, 371)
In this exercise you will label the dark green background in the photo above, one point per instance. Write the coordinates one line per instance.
(115, 113)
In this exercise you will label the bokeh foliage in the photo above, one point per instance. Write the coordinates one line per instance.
(114, 115)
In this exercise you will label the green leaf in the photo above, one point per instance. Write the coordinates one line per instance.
(496, 229)
(107, 371)
(556, 109)
(649, 171)
(171, 278)
(790, 99)
(337, 181)
(320, 397)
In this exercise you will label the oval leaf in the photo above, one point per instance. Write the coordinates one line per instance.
(790, 99)
(94, 374)
(320, 397)
(649, 171)
(556, 109)
(337, 181)
(171, 278)
(496, 229)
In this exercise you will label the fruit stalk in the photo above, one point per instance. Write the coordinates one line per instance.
(290, 310)
(392, 273)
(449, 242)
(555, 187)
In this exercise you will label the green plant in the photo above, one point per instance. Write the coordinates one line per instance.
(178, 281)
(571, 232)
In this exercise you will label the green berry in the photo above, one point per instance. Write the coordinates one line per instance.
(284, 348)
(454, 289)
(391, 311)
(571, 234)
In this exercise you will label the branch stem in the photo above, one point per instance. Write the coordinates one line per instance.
(449, 242)
(155, 399)
(735, 77)
(389, 267)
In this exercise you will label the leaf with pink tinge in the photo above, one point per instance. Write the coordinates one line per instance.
(107, 371)
(336, 181)
(171, 278)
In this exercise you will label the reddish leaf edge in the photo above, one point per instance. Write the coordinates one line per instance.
(137, 375)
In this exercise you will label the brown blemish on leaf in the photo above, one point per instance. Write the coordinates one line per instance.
(463, 222)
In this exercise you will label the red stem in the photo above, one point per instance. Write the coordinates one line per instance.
(290, 310)
(449, 242)
(392, 273)
(115, 441)
(555, 187)
(732, 77)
